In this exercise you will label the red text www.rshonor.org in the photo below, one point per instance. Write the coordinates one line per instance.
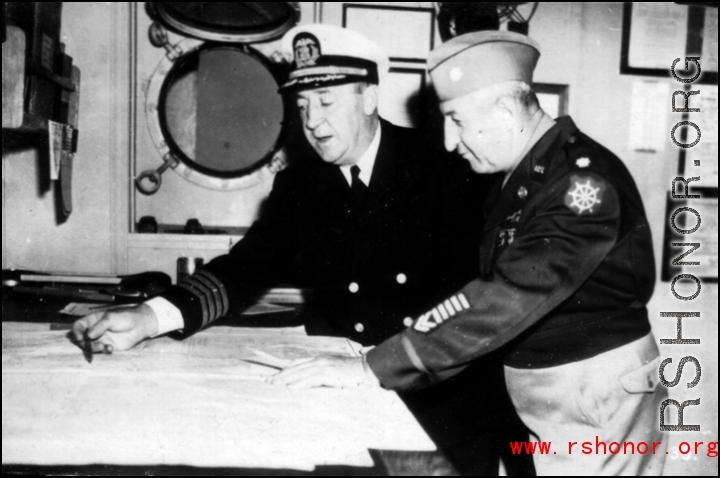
(599, 447)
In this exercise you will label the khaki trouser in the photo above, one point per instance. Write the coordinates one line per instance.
(612, 397)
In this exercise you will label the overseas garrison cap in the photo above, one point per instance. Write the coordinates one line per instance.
(477, 60)
(326, 55)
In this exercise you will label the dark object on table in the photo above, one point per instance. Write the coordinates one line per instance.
(130, 288)
(147, 225)
(186, 266)
(194, 227)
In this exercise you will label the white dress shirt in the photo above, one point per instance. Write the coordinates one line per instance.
(169, 317)
(366, 163)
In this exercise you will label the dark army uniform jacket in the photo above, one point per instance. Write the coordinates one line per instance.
(566, 271)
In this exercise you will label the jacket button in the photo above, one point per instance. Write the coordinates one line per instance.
(401, 279)
(354, 288)
(408, 322)
(359, 328)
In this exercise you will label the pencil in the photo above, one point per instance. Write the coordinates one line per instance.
(87, 349)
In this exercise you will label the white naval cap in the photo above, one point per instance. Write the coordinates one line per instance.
(326, 55)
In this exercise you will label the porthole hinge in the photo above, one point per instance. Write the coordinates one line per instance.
(160, 39)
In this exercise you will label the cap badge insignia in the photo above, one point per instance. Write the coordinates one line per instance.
(585, 196)
(307, 50)
(456, 74)
(583, 162)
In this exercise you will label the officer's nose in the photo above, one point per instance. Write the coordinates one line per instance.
(452, 136)
(315, 116)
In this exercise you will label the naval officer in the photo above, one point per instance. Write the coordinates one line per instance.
(565, 274)
(379, 227)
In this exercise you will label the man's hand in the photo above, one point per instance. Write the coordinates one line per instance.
(117, 330)
(328, 371)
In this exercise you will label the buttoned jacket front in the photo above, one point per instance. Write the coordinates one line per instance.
(370, 267)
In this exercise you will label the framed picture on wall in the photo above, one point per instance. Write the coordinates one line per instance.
(406, 34)
(553, 98)
(706, 236)
(402, 96)
(704, 153)
(655, 34)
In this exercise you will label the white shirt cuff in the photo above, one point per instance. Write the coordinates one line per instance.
(169, 317)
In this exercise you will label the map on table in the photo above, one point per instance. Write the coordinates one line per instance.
(195, 402)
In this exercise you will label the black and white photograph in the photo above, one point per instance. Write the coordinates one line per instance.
(360, 239)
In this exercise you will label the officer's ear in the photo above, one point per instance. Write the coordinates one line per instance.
(371, 99)
(506, 112)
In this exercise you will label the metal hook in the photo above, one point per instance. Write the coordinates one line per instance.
(154, 176)
(159, 38)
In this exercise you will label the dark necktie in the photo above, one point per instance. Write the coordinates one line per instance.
(358, 187)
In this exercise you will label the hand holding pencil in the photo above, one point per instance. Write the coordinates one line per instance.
(114, 330)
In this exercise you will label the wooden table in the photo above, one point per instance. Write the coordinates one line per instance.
(195, 404)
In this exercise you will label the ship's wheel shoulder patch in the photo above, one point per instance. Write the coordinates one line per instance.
(585, 194)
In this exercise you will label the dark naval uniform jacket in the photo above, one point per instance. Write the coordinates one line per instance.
(565, 273)
(373, 268)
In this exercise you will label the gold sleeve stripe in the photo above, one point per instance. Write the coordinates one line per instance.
(200, 296)
(223, 300)
(208, 295)
(217, 296)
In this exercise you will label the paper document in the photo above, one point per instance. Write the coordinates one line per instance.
(198, 402)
